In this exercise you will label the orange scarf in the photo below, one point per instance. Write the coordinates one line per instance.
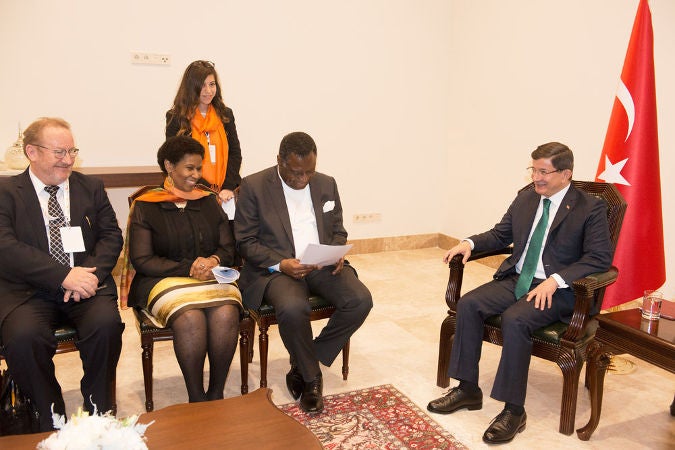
(166, 193)
(212, 171)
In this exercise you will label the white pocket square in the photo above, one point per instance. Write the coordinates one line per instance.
(328, 206)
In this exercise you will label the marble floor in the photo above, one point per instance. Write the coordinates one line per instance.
(398, 345)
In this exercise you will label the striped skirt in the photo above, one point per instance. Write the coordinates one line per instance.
(173, 295)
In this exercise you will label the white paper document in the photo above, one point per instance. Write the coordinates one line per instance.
(324, 255)
(230, 208)
(225, 274)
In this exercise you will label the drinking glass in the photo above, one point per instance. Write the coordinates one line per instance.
(651, 304)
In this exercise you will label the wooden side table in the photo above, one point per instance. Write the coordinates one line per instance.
(625, 332)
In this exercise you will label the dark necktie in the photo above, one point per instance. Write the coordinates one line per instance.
(533, 252)
(56, 220)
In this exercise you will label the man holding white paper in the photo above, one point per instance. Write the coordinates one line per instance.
(280, 212)
(324, 255)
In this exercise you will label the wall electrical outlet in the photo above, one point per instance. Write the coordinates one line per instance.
(367, 217)
(157, 59)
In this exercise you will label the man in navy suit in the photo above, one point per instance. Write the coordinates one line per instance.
(55, 265)
(576, 242)
(281, 210)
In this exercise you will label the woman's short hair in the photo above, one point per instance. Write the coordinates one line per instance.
(176, 148)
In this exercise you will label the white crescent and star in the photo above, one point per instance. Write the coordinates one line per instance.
(612, 172)
(623, 94)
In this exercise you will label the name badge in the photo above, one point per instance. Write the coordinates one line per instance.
(72, 239)
(212, 152)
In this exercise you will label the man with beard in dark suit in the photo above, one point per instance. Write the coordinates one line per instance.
(59, 241)
(281, 210)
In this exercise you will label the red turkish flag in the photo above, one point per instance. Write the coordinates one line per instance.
(630, 160)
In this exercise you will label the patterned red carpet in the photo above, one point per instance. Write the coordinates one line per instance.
(379, 417)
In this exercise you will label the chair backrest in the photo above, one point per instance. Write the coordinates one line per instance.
(616, 205)
(138, 192)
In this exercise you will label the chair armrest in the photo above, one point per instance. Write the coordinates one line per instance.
(588, 294)
(588, 285)
(480, 255)
(456, 275)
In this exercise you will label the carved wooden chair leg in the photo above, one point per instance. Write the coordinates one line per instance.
(264, 342)
(251, 347)
(444, 350)
(244, 343)
(568, 403)
(587, 383)
(345, 361)
(146, 357)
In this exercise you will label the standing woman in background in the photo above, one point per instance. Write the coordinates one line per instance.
(199, 111)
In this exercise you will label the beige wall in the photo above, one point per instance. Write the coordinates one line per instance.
(420, 108)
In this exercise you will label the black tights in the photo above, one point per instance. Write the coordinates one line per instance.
(199, 332)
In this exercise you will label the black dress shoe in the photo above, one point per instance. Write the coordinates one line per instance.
(294, 382)
(311, 400)
(504, 427)
(455, 399)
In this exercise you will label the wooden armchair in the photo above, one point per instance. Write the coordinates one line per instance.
(562, 343)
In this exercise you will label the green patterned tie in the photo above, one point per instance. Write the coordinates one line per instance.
(533, 252)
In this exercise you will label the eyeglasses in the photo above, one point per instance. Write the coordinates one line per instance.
(541, 172)
(60, 153)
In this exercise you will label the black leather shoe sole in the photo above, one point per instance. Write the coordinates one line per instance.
(468, 406)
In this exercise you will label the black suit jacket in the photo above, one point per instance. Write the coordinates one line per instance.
(262, 226)
(26, 266)
(578, 242)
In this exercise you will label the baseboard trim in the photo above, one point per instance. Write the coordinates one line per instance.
(410, 242)
(413, 242)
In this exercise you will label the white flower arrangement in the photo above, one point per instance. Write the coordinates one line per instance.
(100, 431)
